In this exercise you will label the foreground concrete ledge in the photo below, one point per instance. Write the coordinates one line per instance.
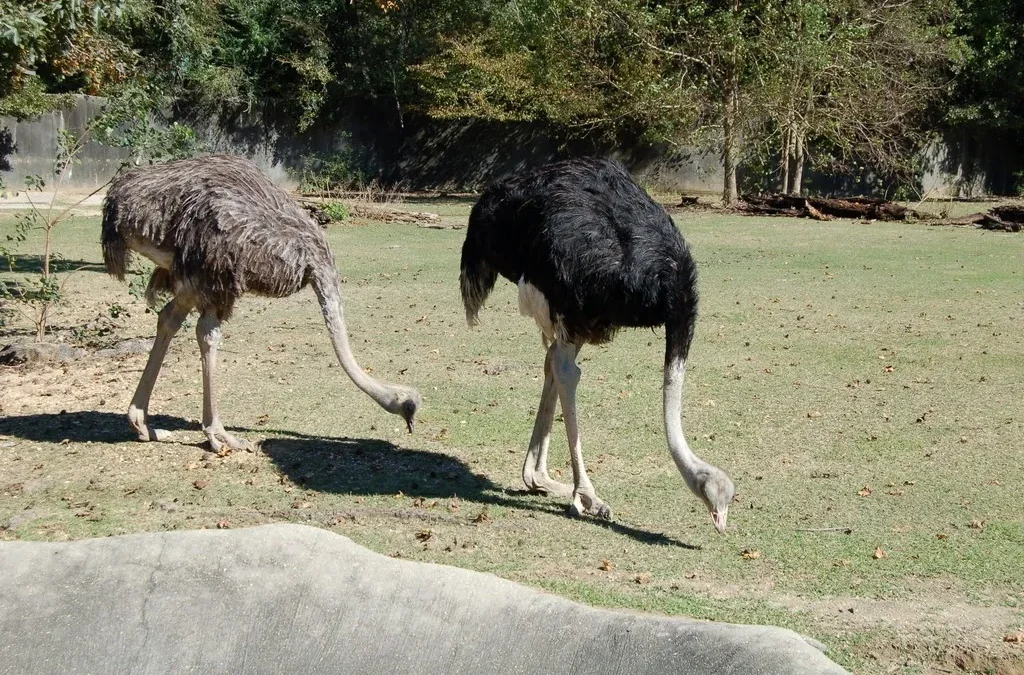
(296, 599)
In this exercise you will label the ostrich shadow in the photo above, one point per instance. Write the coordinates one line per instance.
(359, 466)
(33, 264)
(83, 426)
(354, 466)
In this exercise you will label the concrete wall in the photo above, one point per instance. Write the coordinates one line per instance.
(30, 148)
(424, 154)
(419, 154)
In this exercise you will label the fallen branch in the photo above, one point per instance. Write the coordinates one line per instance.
(1007, 218)
(380, 213)
(391, 215)
(823, 208)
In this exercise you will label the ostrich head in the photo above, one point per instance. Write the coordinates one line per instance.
(715, 488)
(403, 401)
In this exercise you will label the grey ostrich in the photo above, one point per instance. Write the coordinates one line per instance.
(217, 228)
(591, 252)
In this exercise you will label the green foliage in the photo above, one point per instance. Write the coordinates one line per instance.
(990, 72)
(324, 173)
(336, 211)
(49, 46)
(134, 118)
(31, 101)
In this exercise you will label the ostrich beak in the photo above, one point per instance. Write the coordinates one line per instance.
(410, 423)
(719, 517)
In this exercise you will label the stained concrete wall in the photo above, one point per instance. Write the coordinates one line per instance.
(417, 153)
(30, 148)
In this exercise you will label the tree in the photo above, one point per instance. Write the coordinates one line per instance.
(857, 84)
(50, 47)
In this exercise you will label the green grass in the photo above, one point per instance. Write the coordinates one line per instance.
(828, 357)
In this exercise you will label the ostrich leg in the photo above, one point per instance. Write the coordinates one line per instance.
(208, 335)
(168, 322)
(567, 376)
(535, 467)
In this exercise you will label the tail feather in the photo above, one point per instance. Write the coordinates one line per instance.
(476, 280)
(115, 248)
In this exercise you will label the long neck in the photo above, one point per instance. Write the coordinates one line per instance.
(688, 463)
(325, 285)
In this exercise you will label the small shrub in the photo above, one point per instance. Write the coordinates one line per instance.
(337, 211)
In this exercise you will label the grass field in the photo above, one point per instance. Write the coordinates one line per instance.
(860, 382)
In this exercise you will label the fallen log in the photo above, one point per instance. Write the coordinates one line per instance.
(1005, 218)
(388, 215)
(1009, 213)
(374, 212)
(823, 208)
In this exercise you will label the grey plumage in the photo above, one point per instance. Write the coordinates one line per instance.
(231, 229)
(217, 228)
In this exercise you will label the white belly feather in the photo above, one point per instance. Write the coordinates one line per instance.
(532, 303)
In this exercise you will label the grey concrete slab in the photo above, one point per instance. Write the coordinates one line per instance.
(295, 599)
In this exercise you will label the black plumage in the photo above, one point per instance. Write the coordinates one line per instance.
(601, 251)
(591, 253)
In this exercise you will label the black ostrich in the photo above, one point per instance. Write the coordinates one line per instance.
(591, 253)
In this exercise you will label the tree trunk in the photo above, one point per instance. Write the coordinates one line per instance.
(730, 194)
(787, 140)
(798, 169)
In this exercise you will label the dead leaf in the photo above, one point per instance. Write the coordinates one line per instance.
(642, 578)
(865, 491)
(977, 524)
(223, 525)
(879, 553)
(813, 414)
(425, 534)
(942, 536)
(192, 465)
(889, 369)
(606, 566)
(482, 517)
(200, 484)
(262, 419)
(691, 575)
(1014, 637)
(301, 504)
(750, 554)
(896, 492)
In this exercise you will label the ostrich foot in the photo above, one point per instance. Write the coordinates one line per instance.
(544, 485)
(590, 505)
(221, 440)
(137, 418)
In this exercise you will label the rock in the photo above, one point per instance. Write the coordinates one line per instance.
(22, 517)
(36, 485)
(135, 346)
(38, 352)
